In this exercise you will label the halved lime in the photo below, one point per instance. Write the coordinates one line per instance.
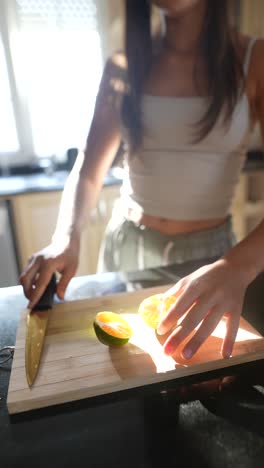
(112, 329)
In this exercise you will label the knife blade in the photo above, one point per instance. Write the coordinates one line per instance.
(37, 320)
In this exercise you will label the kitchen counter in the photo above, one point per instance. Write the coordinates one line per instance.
(15, 185)
(188, 425)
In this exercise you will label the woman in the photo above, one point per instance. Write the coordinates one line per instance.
(185, 105)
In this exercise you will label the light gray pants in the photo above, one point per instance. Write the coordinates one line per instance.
(128, 247)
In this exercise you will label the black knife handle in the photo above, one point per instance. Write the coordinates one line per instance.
(46, 300)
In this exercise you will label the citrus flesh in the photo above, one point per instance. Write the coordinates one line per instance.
(112, 329)
(154, 308)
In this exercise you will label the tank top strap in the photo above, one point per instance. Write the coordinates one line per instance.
(248, 54)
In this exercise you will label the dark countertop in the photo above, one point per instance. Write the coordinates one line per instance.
(187, 426)
(16, 185)
(254, 161)
(28, 183)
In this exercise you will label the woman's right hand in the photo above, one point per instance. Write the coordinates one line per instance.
(36, 276)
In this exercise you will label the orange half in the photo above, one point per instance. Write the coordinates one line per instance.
(154, 308)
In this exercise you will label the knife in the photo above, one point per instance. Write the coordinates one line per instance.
(37, 320)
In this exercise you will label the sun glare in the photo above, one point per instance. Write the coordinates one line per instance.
(242, 334)
(144, 338)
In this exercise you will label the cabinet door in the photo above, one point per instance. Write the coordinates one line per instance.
(239, 206)
(251, 17)
(35, 217)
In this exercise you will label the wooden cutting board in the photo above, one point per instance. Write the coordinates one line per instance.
(75, 365)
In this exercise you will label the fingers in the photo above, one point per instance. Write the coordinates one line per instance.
(39, 271)
(231, 332)
(176, 289)
(28, 276)
(188, 324)
(44, 277)
(207, 327)
(65, 278)
(185, 301)
(203, 297)
(204, 331)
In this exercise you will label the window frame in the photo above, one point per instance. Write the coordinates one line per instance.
(26, 154)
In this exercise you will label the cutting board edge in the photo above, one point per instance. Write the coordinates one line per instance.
(117, 296)
(15, 407)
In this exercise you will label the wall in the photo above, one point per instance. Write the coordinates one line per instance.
(111, 19)
(111, 23)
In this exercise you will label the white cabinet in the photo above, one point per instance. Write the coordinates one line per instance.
(35, 217)
(251, 17)
(238, 207)
(248, 204)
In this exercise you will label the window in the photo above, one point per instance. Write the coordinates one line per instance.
(8, 133)
(57, 62)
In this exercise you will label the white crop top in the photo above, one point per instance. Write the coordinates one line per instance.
(171, 177)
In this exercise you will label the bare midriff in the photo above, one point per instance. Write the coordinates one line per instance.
(171, 226)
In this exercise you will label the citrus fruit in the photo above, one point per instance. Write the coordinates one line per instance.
(112, 329)
(153, 308)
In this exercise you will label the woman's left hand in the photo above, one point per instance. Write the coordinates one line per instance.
(204, 297)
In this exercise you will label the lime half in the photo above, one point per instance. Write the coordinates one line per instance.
(112, 329)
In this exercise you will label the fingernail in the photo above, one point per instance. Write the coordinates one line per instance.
(169, 349)
(60, 294)
(228, 352)
(160, 331)
(187, 353)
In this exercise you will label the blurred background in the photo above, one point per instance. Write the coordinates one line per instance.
(52, 54)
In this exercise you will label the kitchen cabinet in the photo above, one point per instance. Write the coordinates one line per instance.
(251, 17)
(8, 263)
(254, 209)
(249, 200)
(238, 207)
(248, 204)
(35, 216)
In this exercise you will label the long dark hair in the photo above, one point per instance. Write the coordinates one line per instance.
(224, 69)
